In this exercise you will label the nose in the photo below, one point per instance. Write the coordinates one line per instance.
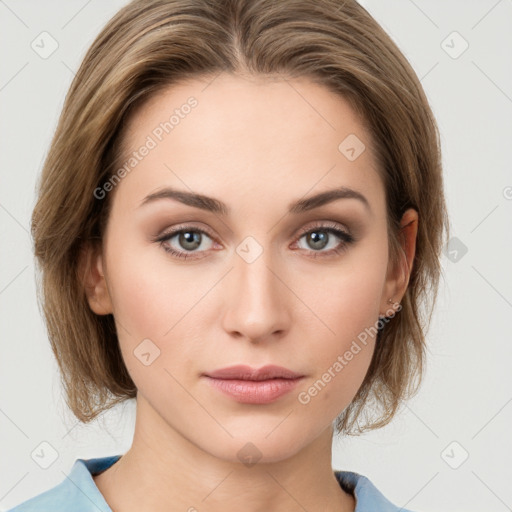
(257, 300)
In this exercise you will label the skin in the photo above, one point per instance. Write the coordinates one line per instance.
(257, 145)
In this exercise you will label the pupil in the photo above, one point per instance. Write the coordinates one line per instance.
(319, 239)
(192, 238)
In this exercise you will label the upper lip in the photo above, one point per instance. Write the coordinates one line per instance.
(243, 372)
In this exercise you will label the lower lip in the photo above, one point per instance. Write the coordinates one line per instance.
(254, 392)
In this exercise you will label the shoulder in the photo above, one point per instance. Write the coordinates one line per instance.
(76, 492)
(366, 494)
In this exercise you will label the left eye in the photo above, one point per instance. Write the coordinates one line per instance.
(321, 237)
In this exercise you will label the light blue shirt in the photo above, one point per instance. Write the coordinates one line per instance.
(78, 492)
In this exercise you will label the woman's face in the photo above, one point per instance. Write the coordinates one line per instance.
(258, 275)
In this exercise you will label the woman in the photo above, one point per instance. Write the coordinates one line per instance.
(238, 221)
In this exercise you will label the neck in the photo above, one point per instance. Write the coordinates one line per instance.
(164, 471)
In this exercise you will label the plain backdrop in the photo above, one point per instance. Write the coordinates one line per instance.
(450, 448)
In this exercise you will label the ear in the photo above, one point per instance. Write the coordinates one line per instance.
(399, 274)
(90, 269)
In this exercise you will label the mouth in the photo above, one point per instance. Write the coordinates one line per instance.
(254, 386)
(254, 392)
(243, 372)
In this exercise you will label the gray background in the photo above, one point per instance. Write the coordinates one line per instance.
(464, 406)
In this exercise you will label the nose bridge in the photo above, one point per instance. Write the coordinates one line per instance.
(256, 306)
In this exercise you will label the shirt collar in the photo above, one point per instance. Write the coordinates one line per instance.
(366, 495)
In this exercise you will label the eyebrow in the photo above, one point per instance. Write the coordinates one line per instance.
(216, 206)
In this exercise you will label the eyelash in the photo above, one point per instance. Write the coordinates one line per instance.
(332, 228)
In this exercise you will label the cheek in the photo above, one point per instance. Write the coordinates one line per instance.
(151, 293)
(346, 303)
(157, 300)
(342, 358)
(346, 299)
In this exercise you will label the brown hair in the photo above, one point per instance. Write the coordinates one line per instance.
(151, 45)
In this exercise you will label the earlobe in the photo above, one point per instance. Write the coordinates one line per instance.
(94, 281)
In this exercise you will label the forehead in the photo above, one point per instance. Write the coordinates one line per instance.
(226, 132)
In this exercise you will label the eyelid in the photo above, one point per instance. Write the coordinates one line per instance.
(184, 227)
(203, 229)
(323, 225)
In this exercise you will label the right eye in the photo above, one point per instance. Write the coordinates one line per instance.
(184, 241)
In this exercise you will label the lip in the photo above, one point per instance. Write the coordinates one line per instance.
(244, 372)
(254, 386)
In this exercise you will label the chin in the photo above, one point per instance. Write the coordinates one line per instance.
(264, 442)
